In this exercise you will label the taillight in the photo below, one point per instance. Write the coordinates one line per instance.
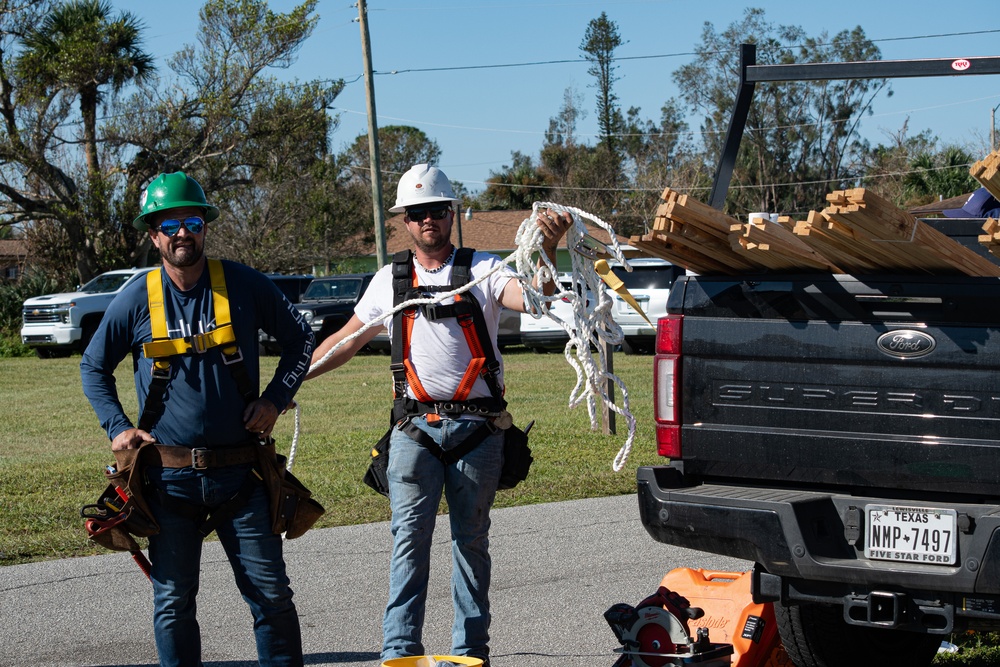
(668, 334)
(667, 386)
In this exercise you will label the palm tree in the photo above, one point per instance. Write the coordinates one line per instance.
(78, 49)
(944, 174)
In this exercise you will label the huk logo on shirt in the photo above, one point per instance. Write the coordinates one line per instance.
(184, 329)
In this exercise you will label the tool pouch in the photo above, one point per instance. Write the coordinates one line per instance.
(377, 475)
(516, 458)
(113, 521)
(130, 477)
(293, 509)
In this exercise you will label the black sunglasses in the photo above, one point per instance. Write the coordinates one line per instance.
(194, 224)
(419, 213)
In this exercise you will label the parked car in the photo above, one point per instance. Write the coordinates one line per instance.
(649, 283)
(329, 302)
(293, 286)
(58, 324)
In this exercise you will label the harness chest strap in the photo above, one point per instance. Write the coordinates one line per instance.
(162, 347)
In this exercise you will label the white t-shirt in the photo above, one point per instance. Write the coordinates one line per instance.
(438, 350)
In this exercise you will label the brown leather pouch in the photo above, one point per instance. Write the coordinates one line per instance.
(293, 509)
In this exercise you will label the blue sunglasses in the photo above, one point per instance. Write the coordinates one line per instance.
(194, 224)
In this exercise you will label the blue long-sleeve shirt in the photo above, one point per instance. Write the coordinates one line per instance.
(202, 406)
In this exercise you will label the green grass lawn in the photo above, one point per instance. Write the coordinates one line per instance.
(52, 449)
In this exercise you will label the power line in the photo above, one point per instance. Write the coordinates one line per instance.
(582, 60)
(691, 133)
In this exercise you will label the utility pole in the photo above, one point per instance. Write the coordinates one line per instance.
(376, 167)
(993, 127)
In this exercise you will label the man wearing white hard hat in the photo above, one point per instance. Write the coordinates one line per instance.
(449, 414)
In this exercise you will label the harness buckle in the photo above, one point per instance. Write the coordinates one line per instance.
(430, 311)
(230, 359)
(160, 372)
(591, 248)
(200, 458)
(197, 342)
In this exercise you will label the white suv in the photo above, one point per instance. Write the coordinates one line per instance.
(57, 324)
(649, 282)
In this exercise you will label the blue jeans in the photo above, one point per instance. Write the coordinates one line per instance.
(253, 551)
(416, 478)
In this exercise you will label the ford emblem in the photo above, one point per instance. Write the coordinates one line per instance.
(906, 343)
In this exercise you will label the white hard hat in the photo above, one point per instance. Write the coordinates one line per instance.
(422, 184)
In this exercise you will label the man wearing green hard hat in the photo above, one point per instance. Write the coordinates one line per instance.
(204, 425)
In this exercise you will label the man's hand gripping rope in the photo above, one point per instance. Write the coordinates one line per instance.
(586, 328)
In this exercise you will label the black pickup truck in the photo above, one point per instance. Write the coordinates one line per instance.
(842, 433)
(329, 302)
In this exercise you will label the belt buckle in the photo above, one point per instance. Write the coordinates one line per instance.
(199, 458)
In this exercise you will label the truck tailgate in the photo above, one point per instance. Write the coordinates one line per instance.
(823, 386)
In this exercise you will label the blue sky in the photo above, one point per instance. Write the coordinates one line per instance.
(478, 116)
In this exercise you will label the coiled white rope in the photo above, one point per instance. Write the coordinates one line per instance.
(588, 327)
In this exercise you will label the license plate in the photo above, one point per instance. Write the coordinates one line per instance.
(624, 307)
(911, 534)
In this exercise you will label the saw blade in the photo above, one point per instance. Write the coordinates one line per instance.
(657, 631)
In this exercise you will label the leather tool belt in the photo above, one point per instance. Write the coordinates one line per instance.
(199, 458)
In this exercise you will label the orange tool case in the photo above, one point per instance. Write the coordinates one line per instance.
(731, 615)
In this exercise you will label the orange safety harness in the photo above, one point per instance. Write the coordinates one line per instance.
(469, 314)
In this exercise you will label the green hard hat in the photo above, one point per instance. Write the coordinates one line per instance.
(175, 190)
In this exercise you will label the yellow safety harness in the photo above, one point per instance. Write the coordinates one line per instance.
(162, 347)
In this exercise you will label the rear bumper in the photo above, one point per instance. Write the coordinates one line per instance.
(807, 535)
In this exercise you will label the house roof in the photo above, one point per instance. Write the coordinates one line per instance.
(940, 205)
(490, 231)
(13, 249)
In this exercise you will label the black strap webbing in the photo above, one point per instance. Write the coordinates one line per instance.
(452, 455)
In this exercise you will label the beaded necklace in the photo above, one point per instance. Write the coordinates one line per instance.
(440, 268)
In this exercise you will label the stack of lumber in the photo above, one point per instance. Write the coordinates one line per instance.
(858, 232)
(774, 245)
(894, 240)
(694, 235)
(986, 172)
(991, 239)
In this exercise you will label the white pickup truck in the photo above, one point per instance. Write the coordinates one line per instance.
(57, 324)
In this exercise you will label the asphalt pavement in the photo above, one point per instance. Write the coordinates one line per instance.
(556, 568)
